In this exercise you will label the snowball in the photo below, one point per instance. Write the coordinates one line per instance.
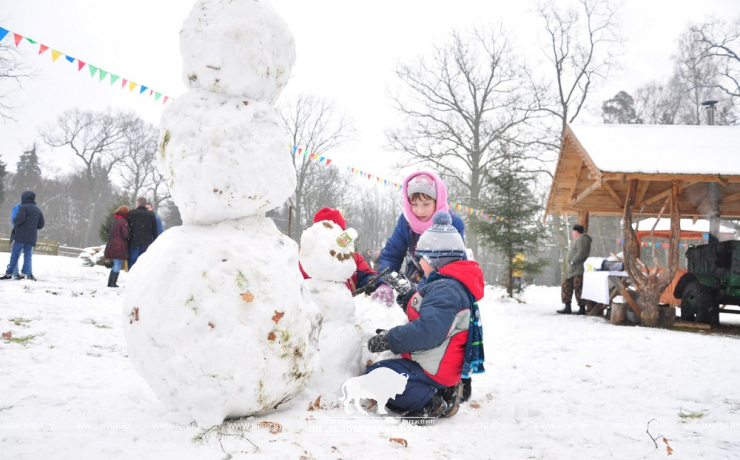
(225, 157)
(322, 257)
(218, 322)
(242, 48)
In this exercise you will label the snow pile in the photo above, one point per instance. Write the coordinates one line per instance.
(216, 316)
(94, 255)
(329, 265)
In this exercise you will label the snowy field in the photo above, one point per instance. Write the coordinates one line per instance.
(555, 387)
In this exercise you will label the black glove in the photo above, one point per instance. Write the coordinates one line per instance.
(402, 286)
(379, 342)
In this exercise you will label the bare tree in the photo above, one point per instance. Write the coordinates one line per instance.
(137, 166)
(720, 44)
(581, 45)
(98, 140)
(314, 125)
(659, 103)
(13, 71)
(696, 76)
(462, 106)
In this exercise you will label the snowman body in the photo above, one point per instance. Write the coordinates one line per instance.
(216, 315)
(340, 341)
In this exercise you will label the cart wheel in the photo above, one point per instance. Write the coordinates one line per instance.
(697, 304)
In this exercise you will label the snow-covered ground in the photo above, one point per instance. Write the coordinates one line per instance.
(555, 387)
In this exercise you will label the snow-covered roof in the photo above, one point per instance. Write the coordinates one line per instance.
(661, 149)
(687, 225)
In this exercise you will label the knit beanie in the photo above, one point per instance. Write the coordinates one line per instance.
(441, 243)
(332, 215)
(422, 184)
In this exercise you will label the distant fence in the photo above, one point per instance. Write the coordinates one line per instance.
(44, 246)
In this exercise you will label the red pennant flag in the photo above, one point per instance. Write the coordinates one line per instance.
(369, 176)
(43, 48)
(328, 161)
(80, 65)
(378, 179)
(123, 82)
(165, 99)
(151, 91)
(18, 39)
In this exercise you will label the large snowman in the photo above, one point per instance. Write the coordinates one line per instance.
(327, 256)
(216, 316)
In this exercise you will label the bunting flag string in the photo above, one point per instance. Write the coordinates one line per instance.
(460, 208)
(102, 74)
(649, 244)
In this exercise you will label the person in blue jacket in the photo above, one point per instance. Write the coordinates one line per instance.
(12, 234)
(424, 195)
(28, 221)
(434, 344)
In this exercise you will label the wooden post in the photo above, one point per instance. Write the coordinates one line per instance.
(619, 313)
(583, 219)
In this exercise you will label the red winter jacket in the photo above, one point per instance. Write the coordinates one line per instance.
(117, 247)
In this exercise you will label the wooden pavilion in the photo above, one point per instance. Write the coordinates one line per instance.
(601, 168)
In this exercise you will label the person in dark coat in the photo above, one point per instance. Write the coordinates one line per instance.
(28, 221)
(117, 247)
(12, 232)
(577, 255)
(142, 226)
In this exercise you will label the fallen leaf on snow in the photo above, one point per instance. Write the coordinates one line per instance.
(274, 427)
(247, 296)
(271, 336)
(278, 316)
(400, 441)
(475, 405)
(668, 447)
(211, 325)
(7, 335)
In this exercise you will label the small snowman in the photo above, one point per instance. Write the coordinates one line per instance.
(216, 316)
(327, 256)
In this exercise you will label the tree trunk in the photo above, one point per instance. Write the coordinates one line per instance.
(648, 302)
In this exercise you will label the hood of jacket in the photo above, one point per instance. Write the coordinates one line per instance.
(416, 225)
(468, 273)
(28, 197)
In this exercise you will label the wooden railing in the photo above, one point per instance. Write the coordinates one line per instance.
(44, 246)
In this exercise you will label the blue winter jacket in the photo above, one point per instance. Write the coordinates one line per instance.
(28, 220)
(404, 239)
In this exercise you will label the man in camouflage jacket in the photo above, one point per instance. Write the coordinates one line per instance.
(577, 255)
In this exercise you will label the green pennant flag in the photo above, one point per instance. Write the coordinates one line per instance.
(103, 73)
(31, 40)
(93, 69)
(113, 78)
(157, 96)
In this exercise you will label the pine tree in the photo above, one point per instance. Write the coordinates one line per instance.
(28, 171)
(515, 226)
(105, 225)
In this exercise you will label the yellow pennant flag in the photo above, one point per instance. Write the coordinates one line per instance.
(131, 86)
(55, 55)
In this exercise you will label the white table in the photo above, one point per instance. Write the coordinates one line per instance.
(596, 285)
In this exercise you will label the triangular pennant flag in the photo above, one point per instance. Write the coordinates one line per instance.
(113, 78)
(123, 82)
(165, 100)
(17, 39)
(369, 176)
(321, 159)
(151, 91)
(300, 150)
(157, 96)
(69, 58)
(327, 162)
(3, 33)
(295, 148)
(132, 85)
(103, 73)
(33, 42)
(93, 69)
(143, 88)
(80, 65)
(43, 48)
(55, 55)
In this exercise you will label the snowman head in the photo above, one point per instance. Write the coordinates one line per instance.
(326, 253)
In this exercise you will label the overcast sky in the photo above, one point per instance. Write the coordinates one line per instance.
(345, 50)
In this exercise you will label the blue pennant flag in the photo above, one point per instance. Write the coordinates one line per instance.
(143, 88)
(70, 59)
(3, 33)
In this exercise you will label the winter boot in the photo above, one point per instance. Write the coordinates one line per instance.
(433, 409)
(467, 388)
(30, 277)
(566, 310)
(581, 310)
(453, 396)
(113, 279)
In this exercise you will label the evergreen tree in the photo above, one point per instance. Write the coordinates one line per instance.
(28, 171)
(516, 226)
(620, 110)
